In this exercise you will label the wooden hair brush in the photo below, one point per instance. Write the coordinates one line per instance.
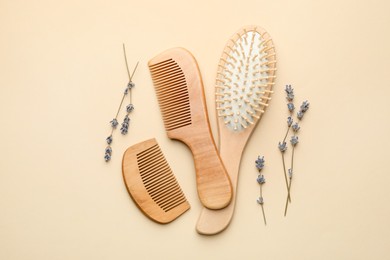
(180, 94)
(245, 76)
(151, 183)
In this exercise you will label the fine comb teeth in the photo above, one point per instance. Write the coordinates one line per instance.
(171, 89)
(180, 94)
(151, 183)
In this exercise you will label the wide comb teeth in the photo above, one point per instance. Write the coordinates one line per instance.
(158, 179)
(151, 183)
(172, 94)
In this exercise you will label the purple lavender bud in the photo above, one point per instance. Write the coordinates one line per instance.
(294, 140)
(282, 146)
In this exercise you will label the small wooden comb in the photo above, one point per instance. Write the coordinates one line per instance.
(151, 183)
(180, 94)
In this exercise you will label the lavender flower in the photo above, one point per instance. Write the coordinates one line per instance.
(289, 121)
(295, 127)
(260, 200)
(109, 139)
(130, 85)
(114, 123)
(129, 108)
(126, 119)
(282, 146)
(124, 128)
(107, 157)
(290, 92)
(290, 107)
(260, 179)
(260, 163)
(300, 115)
(108, 150)
(294, 140)
(305, 106)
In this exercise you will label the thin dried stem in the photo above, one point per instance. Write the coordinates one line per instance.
(285, 177)
(262, 207)
(288, 129)
(289, 185)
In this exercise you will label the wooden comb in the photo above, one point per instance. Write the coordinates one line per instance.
(151, 183)
(180, 94)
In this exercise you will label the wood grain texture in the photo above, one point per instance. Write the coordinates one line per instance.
(151, 183)
(233, 140)
(180, 94)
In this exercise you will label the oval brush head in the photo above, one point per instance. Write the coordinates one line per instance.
(245, 76)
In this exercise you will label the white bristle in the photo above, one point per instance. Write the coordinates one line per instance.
(245, 78)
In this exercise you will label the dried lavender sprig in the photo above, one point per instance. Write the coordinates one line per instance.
(261, 180)
(114, 123)
(294, 139)
(282, 145)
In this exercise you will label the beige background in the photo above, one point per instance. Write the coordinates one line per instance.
(62, 75)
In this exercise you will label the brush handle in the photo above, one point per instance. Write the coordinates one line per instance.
(213, 184)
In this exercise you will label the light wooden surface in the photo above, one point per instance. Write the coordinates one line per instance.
(232, 143)
(176, 75)
(151, 183)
